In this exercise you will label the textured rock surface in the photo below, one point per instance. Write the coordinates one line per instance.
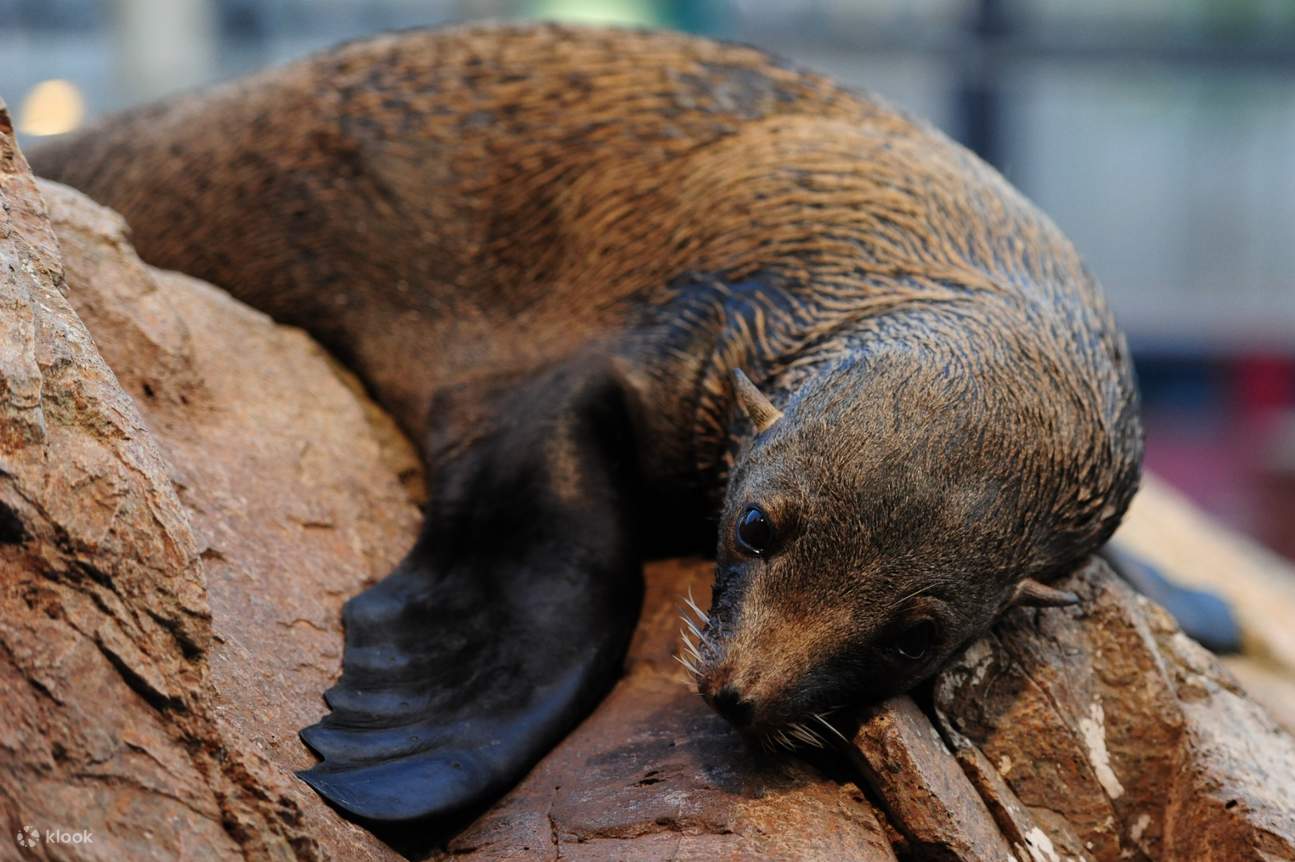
(104, 624)
(929, 799)
(1165, 529)
(290, 482)
(1123, 737)
(189, 492)
(171, 597)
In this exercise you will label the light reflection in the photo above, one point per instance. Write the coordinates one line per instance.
(632, 12)
(52, 108)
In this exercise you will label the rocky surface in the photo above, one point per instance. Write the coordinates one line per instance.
(1122, 737)
(292, 486)
(1164, 528)
(924, 790)
(180, 537)
(104, 619)
(188, 492)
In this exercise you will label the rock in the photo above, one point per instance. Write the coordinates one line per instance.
(177, 550)
(927, 795)
(1164, 528)
(291, 482)
(1270, 687)
(1016, 822)
(1123, 738)
(104, 624)
(188, 493)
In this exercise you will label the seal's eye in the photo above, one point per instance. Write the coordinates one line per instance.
(913, 642)
(755, 531)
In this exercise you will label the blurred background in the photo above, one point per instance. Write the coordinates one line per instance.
(1160, 135)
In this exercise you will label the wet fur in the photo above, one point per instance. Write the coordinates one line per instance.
(487, 209)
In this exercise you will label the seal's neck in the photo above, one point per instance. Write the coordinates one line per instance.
(779, 332)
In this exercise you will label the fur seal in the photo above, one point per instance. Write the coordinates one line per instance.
(641, 294)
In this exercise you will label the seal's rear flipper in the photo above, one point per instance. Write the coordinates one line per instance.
(1204, 616)
(507, 622)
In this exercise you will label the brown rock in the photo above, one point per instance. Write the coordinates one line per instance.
(1271, 687)
(103, 616)
(1189, 548)
(291, 485)
(1015, 821)
(174, 562)
(1123, 737)
(929, 799)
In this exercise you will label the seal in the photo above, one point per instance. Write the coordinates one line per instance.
(640, 294)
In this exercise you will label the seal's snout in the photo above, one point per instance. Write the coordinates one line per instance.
(729, 703)
(737, 698)
(718, 689)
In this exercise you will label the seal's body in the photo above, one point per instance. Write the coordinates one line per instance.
(552, 254)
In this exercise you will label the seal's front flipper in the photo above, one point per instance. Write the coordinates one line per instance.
(1204, 616)
(509, 619)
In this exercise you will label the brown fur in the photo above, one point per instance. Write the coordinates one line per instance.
(455, 205)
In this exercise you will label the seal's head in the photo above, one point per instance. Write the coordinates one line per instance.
(907, 497)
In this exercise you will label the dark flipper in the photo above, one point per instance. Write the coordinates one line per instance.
(1205, 617)
(510, 618)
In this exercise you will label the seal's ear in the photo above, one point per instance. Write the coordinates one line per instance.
(1032, 594)
(758, 409)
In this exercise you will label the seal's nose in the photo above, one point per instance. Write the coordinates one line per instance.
(732, 706)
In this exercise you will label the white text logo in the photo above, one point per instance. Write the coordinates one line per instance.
(30, 836)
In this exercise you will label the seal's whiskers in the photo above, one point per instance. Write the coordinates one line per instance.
(823, 721)
(692, 604)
